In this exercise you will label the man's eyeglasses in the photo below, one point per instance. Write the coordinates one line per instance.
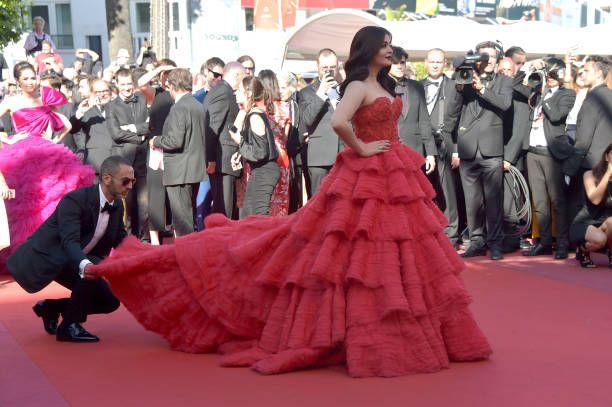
(216, 75)
(101, 92)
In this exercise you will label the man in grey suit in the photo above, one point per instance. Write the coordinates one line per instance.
(317, 103)
(182, 141)
(480, 145)
(414, 125)
(220, 111)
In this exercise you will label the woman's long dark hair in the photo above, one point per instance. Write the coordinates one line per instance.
(270, 83)
(602, 166)
(256, 92)
(365, 46)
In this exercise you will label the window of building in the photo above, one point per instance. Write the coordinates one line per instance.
(63, 27)
(248, 17)
(175, 17)
(94, 43)
(143, 17)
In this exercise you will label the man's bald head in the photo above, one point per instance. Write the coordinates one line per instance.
(233, 74)
(507, 67)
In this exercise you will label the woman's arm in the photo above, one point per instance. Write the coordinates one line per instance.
(597, 192)
(65, 130)
(353, 98)
(5, 191)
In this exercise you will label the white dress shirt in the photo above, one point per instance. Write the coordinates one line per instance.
(103, 218)
(537, 138)
(431, 93)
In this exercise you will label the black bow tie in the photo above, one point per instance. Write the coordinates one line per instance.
(428, 82)
(131, 99)
(108, 208)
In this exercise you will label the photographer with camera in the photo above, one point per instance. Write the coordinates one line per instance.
(549, 145)
(317, 102)
(484, 97)
(146, 56)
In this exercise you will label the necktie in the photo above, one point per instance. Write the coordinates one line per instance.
(108, 208)
(131, 99)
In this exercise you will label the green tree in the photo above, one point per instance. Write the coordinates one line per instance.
(13, 15)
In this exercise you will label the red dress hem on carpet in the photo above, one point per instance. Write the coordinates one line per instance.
(362, 275)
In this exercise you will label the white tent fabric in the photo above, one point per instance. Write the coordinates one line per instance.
(329, 29)
(335, 29)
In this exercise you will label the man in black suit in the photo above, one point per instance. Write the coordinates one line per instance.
(127, 119)
(414, 125)
(220, 111)
(182, 141)
(516, 143)
(93, 136)
(548, 147)
(594, 124)
(317, 103)
(82, 230)
(480, 145)
(441, 97)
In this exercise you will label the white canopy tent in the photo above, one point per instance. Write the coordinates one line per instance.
(329, 29)
(335, 29)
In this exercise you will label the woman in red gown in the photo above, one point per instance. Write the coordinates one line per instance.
(363, 275)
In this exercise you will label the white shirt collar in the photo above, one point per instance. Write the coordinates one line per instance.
(103, 198)
(553, 90)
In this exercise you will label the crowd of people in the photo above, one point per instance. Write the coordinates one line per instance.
(241, 143)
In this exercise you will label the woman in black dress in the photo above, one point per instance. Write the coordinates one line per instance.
(592, 227)
(256, 141)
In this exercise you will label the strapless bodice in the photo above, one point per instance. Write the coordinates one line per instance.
(378, 120)
(36, 120)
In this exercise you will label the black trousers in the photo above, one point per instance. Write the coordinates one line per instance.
(259, 189)
(88, 296)
(223, 187)
(137, 201)
(548, 189)
(182, 200)
(446, 194)
(316, 175)
(512, 239)
(482, 180)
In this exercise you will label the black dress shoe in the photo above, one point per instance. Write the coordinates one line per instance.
(496, 254)
(74, 333)
(525, 244)
(50, 319)
(561, 253)
(474, 251)
(539, 250)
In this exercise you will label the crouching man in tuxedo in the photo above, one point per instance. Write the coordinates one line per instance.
(86, 224)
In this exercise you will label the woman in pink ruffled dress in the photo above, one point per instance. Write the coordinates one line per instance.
(39, 169)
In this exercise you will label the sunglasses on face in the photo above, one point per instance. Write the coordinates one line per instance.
(127, 181)
(216, 75)
(249, 68)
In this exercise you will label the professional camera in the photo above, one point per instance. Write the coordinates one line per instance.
(537, 78)
(466, 65)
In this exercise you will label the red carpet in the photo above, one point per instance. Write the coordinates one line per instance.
(550, 325)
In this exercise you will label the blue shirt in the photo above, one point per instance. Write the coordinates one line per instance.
(200, 95)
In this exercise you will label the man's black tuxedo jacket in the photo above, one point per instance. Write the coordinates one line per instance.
(556, 108)
(59, 242)
(93, 137)
(220, 111)
(442, 117)
(182, 140)
(414, 124)
(517, 122)
(315, 119)
(594, 125)
(120, 113)
(481, 124)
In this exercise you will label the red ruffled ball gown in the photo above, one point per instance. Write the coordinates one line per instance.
(362, 275)
(40, 171)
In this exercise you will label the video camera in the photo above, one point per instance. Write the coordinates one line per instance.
(537, 78)
(466, 65)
